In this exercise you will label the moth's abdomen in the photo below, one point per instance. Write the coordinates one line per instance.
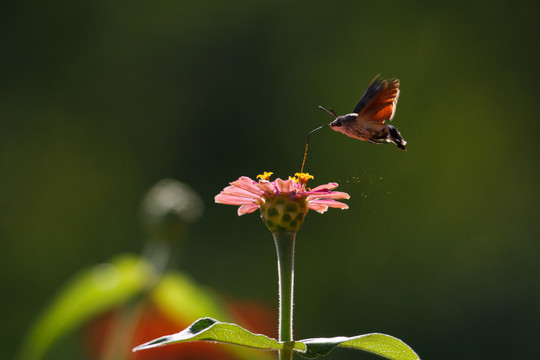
(396, 138)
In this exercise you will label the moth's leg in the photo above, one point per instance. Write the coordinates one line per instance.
(380, 142)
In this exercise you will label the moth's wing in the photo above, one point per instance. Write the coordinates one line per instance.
(373, 89)
(379, 102)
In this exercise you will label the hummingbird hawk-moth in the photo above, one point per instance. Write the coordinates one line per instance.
(367, 121)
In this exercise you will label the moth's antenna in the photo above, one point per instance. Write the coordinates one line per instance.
(331, 111)
(307, 140)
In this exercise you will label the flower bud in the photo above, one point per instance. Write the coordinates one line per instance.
(167, 209)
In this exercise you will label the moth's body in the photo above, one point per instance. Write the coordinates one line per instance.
(367, 122)
(363, 130)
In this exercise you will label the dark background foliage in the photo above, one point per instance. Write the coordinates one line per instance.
(99, 100)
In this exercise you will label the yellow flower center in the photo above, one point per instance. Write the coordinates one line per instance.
(265, 175)
(302, 178)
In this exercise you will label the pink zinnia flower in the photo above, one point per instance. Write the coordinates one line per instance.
(283, 203)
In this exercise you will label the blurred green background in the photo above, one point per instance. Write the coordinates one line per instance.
(99, 100)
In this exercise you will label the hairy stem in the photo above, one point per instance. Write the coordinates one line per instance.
(284, 241)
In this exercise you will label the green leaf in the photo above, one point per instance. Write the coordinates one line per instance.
(208, 329)
(380, 344)
(90, 292)
(181, 298)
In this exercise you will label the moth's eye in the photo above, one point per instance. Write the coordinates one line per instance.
(336, 123)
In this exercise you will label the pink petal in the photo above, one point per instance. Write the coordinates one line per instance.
(248, 184)
(279, 184)
(329, 203)
(246, 209)
(287, 186)
(327, 195)
(329, 186)
(236, 191)
(266, 186)
(233, 200)
(318, 207)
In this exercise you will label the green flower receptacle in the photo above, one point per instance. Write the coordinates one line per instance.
(281, 213)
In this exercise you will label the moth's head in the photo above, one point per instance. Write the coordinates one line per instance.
(337, 123)
(343, 123)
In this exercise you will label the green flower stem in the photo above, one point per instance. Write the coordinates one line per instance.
(284, 241)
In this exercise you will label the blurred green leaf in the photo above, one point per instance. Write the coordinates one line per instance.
(87, 294)
(379, 344)
(208, 329)
(183, 299)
